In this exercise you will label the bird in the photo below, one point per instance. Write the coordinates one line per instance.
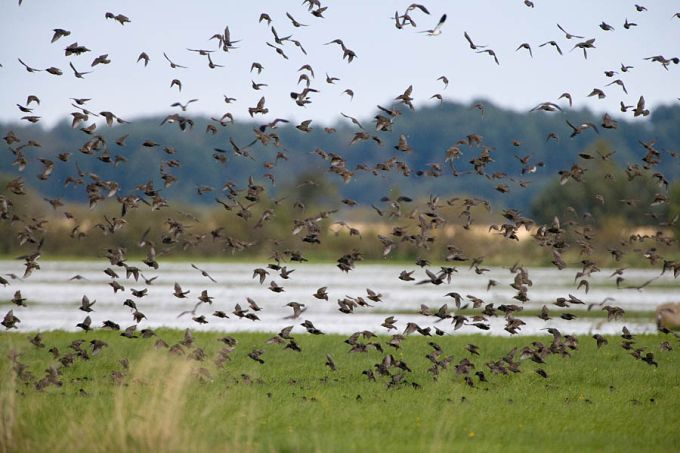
(309, 326)
(491, 53)
(472, 45)
(143, 56)
(120, 18)
(261, 274)
(278, 50)
(18, 299)
(568, 97)
(85, 324)
(274, 287)
(640, 109)
(177, 83)
(417, 6)
(526, 46)
(86, 305)
(295, 23)
(437, 30)
(204, 273)
(601, 341)
(10, 321)
(389, 323)
(76, 73)
(178, 291)
(330, 363)
(253, 305)
(553, 44)
(183, 106)
(585, 45)
(205, 298)
(321, 293)
(347, 53)
(298, 309)
(59, 33)
(620, 83)
(256, 355)
(173, 65)
(597, 92)
(576, 130)
(28, 68)
(567, 34)
(374, 296)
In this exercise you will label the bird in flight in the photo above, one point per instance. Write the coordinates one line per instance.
(437, 30)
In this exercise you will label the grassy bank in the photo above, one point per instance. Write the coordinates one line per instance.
(596, 399)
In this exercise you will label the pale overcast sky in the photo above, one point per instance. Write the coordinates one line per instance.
(388, 61)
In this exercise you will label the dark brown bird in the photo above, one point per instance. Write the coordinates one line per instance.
(179, 293)
(585, 45)
(37, 341)
(554, 44)
(491, 53)
(525, 46)
(120, 18)
(330, 363)
(10, 321)
(321, 293)
(298, 309)
(389, 323)
(28, 68)
(173, 65)
(473, 46)
(85, 324)
(295, 23)
(567, 34)
(144, 57)
(86, 305)
(101, 59)
(275, 288)
(18, 299)
(256, 355)
(59, 33)
(204, 273)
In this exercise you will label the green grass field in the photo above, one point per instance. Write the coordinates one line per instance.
(603, 400)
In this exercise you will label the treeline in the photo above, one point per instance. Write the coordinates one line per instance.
(458, 229)
(453, 185)
(525, 152)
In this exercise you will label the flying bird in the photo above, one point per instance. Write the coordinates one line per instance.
(437, 30)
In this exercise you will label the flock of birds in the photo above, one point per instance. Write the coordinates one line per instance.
(242, 199)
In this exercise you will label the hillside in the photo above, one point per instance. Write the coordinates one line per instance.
(506, 135)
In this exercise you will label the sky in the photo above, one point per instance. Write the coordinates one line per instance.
(388, 60)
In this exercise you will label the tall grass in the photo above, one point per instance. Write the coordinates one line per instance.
(146, 412)
(8, 411)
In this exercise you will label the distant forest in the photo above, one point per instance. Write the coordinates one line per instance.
(440, 153)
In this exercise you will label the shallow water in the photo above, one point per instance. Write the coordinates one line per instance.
(53, 299)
